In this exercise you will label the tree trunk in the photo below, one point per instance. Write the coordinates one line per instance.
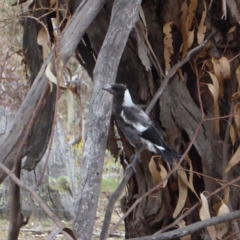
(15, 216)
(104, 73)
(177, 113)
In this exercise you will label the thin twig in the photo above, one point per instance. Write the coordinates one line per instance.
(112, 200)
(174, 69)
(38, 199)
(196, 205)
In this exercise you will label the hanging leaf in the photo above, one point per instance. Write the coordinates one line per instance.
(184, 179)
(214, 93)
(202, 28)
(231, 30)
(232, 135)
(222, 228)
(182, 194)
(217, 206)
(52, 78)
(44, 40)
(168, 45)
(237, 117)
(191, 14)
(234, 160)
(204, 214)
(221, 68)
(182, 224)
(158, 172)
(190, 38)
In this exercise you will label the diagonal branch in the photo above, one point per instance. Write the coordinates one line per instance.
(38, 199)
(123, 17)
(71, 36)
(193, 227)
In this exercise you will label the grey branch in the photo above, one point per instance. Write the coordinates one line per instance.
(193, 227)
(123, 17)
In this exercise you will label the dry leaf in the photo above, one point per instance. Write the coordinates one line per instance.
(237, 117)
(181, 224)
(168, 45)
(204, 214)
(70, 108)
(191, 14)
(221, 68)
(232, 29)
(222, 228)
(236, 95)
(190, 38)
(43, 40)
(157, 175)
(217, 206)
(214, 89)
(52, 77)
(234, 160)
(184, 179)
(182, 195)
(202, 28)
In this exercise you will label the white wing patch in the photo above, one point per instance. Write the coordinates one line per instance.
(138, 126)
(127, 101)
(124, 118)
(159, 147)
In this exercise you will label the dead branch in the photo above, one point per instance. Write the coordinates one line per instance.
(193, 227)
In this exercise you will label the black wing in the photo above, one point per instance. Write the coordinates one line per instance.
(139, 120)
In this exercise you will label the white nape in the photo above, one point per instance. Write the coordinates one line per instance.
(127, 101)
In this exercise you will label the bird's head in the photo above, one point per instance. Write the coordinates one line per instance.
(120, 93)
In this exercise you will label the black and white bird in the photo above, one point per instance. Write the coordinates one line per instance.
(136, 126)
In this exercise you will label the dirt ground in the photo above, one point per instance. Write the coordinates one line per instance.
(41, 229)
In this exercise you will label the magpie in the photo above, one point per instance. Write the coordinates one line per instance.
(136, 126)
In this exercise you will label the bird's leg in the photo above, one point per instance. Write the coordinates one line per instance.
(133, 161)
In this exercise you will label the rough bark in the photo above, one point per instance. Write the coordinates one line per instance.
(124, 16)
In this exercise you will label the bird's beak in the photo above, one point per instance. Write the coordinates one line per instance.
(108, 89)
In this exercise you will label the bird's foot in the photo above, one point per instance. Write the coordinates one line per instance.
(133, 161)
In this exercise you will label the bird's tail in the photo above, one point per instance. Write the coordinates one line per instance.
(167, 154)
